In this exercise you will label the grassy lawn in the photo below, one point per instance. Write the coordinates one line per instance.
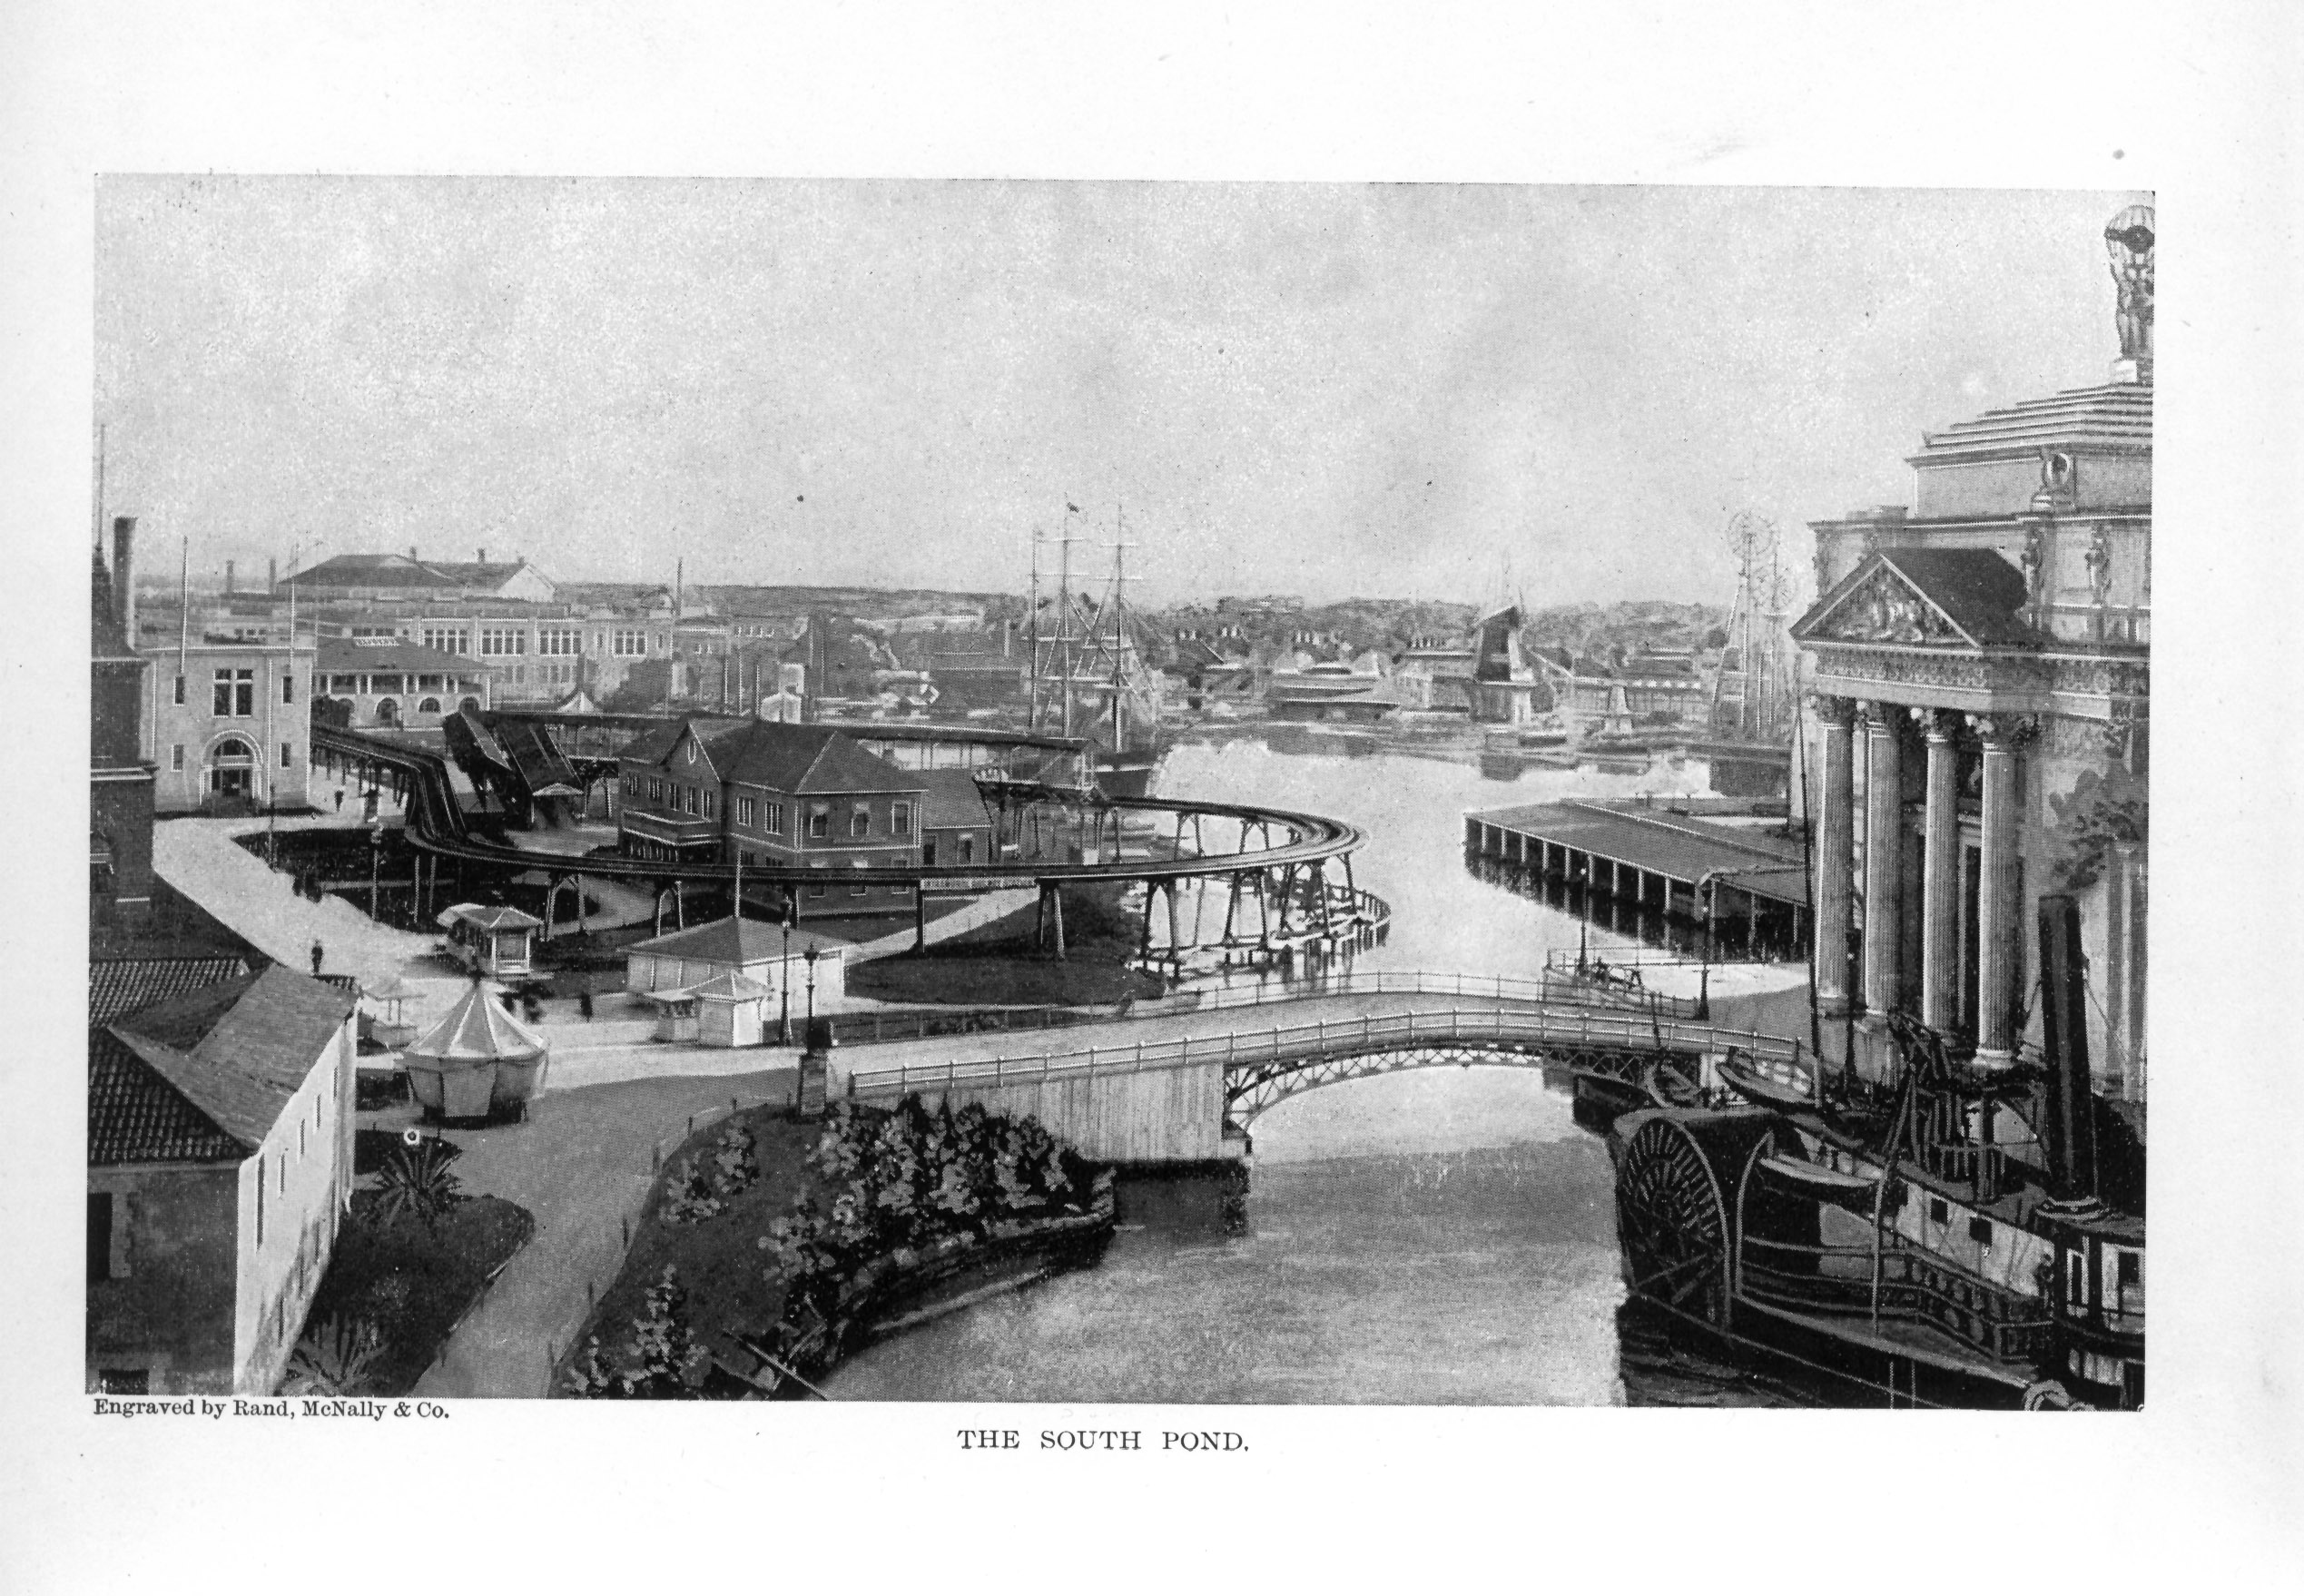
(996, 964)
(410, 1285)
(721, 1265)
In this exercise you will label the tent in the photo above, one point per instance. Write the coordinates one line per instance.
(477, 1060)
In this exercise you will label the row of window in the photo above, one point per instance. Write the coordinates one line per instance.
(233, 691)
(767, 815)
(232, 751)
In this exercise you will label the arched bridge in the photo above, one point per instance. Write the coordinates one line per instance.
(1164, 1086)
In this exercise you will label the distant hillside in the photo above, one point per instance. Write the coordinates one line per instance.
(1632, 626)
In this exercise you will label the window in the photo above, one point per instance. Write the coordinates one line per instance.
(656, 790)
(2076, 1278)
(632, 786)
(558, 640)
(630, 645)
(260, 1202)
(288, 687)
(176, 757)
(815, 889)
(448, 639)
(859, 822)
(1939, 1212)
(899, 819)
(858, 891)
(820, 821)
(235, 692)
(743, 811)
(344, 683)
(928, 849)
(180, 689)
(775, 822)
(429, 706)
(1980, 1232)
(711, 804)
(286, 755)
(968, 849)
(99, 1235)
(503, 640)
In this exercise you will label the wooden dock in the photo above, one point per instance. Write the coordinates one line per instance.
(1657, 861)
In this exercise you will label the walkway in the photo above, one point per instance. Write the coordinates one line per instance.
(1516, 1004)
(579, 1163)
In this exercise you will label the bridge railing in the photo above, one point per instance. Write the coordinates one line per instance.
(1551, 987)
(1563, 1028)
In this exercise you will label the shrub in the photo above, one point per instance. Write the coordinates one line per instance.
(415, 1181)
(688, 1196)
(665, 1359)
(334, 1359)
(735, 1167)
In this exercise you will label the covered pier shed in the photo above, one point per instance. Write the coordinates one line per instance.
(1723, 877)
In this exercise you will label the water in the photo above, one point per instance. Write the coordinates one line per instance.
(1437, 1236)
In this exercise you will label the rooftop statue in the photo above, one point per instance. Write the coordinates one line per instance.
(2129, 238)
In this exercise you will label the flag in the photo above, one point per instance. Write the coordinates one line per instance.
(1073, 508)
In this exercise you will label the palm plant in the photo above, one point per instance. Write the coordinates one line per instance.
(415, 1181)
(333, 1359)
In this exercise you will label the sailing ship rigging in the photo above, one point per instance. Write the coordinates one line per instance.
(1087, 676)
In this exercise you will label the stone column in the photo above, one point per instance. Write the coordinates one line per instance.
(1882, 858)
(1834, 818)
(1940, 889)
(1999, 916)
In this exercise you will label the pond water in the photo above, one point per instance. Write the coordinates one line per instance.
(1434, 1237)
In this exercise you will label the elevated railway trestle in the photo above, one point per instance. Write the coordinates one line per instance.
(1294, 870)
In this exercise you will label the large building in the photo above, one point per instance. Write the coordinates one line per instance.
(1982, 667)
(220, 1166)
(228, 722)
(770, 793)
(392, 577)
(387, 684)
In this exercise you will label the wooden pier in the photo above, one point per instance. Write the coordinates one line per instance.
(1725, 879)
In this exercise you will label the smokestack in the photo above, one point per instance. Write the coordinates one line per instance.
(483, 556)
(2071, 1117)
(271, 574)
(228, 579)
(123, 575)
(411, 553)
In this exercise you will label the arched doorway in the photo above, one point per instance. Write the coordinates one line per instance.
(471, 704)
(429, 706)
(388, 712)
(231, 770)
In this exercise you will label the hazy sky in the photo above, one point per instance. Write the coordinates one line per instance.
(1324, 389)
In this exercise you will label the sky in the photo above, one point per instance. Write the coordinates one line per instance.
(1326, 390)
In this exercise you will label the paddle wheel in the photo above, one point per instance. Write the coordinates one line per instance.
(1671, 1211)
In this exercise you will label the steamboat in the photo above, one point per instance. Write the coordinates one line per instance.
(1951, 1236)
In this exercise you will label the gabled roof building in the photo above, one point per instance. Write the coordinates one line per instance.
(220, 1162)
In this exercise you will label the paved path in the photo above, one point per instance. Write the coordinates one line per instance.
(580, 1163)
(981, 910)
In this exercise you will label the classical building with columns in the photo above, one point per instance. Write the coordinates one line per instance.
(1979, 735)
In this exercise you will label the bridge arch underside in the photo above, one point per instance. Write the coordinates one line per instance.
(1251, 1088)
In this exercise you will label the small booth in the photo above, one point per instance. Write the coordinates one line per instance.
(477, 1062)
(731, 1011)
(675, 1015)
(778, 958)
(387, 1018)
(488, 939)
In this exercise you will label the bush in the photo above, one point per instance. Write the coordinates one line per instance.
(688, 1196)
(334, 1359)
(663, 1359)
(909, 1177)
(734, 1164)
(415, 1181)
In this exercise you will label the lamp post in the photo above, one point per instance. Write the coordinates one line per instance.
(784, 984)
(812, 955)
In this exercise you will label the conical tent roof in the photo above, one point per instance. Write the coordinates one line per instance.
(476, 1031)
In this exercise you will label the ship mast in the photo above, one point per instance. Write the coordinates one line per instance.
(1064, 620)
(1033, 634)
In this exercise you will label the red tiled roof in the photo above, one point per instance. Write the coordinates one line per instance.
(122, 986)
(238, 1051)
(136, 1117)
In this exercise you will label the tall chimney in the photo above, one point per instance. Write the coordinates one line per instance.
(2071, 1117)
(271, 574)
(411, 553)
(123, 575)
(228, 579)
(483, 556)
